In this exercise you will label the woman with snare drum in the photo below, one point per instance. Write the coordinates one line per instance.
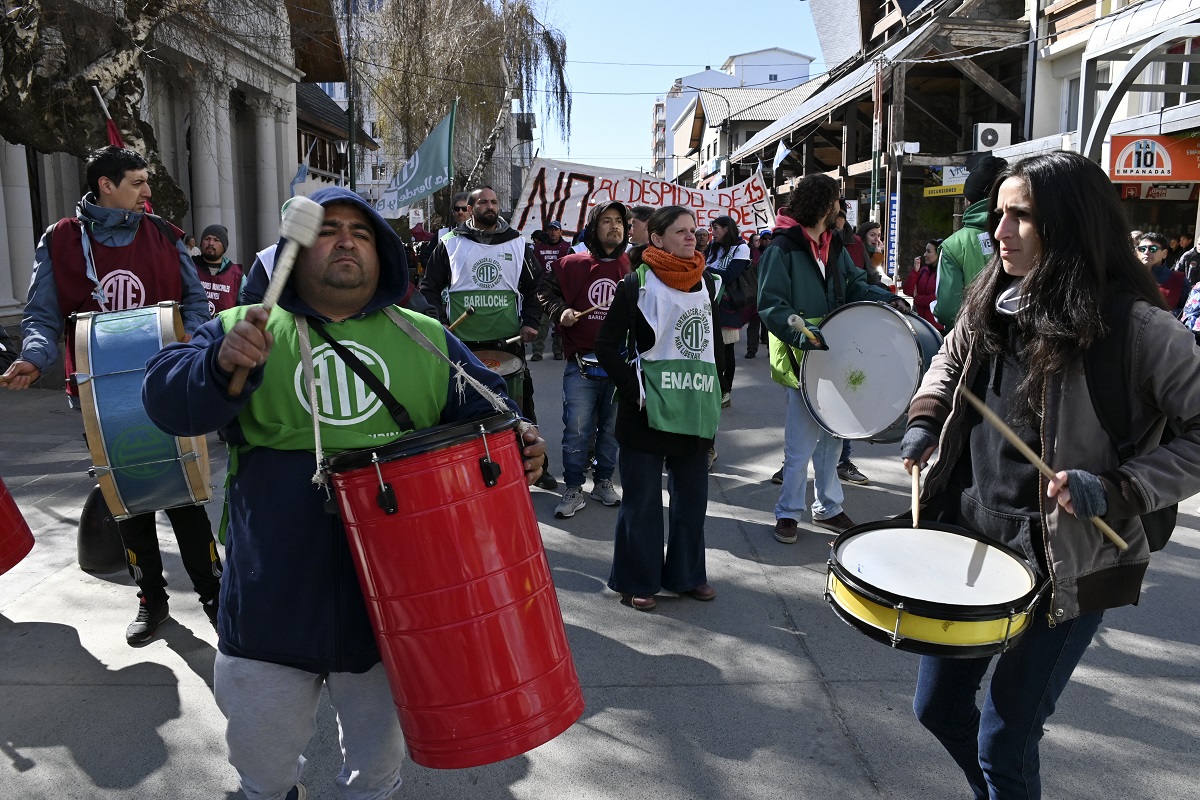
(669, 404)
(1021, 342)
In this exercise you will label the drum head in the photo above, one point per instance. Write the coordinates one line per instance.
(934, 566)
(499, 362)
(865, 381)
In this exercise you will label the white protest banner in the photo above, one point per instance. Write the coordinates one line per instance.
(560, 190)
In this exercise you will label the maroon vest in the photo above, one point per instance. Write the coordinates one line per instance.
(585, 282)
(222, 288)
(144, 272)
(547, 254)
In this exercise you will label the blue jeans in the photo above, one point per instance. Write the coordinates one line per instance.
(998, 749)
(638, 565)
(588, 406)
(803, 441)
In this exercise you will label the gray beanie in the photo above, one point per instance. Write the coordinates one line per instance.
(218, 231)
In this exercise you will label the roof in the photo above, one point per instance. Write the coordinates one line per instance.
(1133, 25)
(315, 40)
(730, 60)
(320, 112)
(735, 104)
(832, 92)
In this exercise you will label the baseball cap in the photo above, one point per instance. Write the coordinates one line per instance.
(556, 224)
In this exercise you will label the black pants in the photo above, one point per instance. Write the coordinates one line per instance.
(726, 374)
(196, 545)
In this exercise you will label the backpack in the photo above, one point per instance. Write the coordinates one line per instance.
(1107, 367)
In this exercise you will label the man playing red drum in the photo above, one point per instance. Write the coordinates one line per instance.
(127, 258)
(294, 616)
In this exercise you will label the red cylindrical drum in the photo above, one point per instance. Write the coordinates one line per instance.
(16, 540)
(458, 587)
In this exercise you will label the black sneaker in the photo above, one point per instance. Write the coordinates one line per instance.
(777, 478)
(536, 357)
(547, 481)
(150, 615)
(836, 524)
(849, 473)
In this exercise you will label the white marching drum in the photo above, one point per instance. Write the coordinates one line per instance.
(861, 387)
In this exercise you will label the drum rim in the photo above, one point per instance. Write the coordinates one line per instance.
(515, 365)
(424, 441)
(929, 608)
(811, 406)
(922, 647)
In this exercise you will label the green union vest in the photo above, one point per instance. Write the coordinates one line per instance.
(352, 417)
(486, 278)
(680, 388)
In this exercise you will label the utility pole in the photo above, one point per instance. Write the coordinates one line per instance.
(876, 139)
(350, 87)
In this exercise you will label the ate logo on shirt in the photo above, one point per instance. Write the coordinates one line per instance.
(691, 333)
(123, 290)
(486, 273)
(342, 397)
(601, 293)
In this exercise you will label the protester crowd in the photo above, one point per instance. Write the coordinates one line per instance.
(645, 307)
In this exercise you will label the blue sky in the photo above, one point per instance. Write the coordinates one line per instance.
(653, 42)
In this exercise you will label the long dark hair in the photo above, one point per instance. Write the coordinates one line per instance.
(1085, 259)
(658, 223)
(730, 240)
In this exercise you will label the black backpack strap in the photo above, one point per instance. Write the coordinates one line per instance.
(399, 413)
(1106, 367)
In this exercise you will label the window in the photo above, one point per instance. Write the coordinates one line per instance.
(379, 172)
(1070, 111)
(749, 135)
(774, 76)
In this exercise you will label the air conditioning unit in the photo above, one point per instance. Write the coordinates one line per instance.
(990, 135)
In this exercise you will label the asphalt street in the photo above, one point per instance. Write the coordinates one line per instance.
(761, 694)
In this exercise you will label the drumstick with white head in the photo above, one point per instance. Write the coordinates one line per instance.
(1032, 457)
(916, 495)
(301, 223)
(796, 323)
(466, 313)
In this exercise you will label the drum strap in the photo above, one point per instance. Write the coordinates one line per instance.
(394, 407)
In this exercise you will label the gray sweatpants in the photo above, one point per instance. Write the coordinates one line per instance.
(271, 712)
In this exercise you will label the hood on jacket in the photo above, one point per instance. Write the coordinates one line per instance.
(590, 240)
(393, 264)
(503, 232)
(114, 227)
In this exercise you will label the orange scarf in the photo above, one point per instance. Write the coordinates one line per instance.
(678, 273)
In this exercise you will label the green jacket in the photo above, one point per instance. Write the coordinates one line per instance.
(790, 282)
(964, 255)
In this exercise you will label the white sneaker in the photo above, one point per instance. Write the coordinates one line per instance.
(604, 492)
(726, 400)
(571, 502)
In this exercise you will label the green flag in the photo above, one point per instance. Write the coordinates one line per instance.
(431, 168)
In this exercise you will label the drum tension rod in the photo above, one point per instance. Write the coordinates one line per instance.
(488, 468)
(386, 499)
(896, 637)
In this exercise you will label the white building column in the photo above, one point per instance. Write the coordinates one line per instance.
(223, 85)
(266, 169)
(17, 244)
(206, 186)
(285, 142)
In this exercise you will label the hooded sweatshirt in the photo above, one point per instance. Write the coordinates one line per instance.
(290, 594)
(582, 280)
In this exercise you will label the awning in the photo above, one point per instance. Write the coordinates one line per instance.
(830, 95)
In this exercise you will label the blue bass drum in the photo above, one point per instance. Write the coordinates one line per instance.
(139, 468)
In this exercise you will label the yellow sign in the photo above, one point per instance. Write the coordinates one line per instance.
(943, 191)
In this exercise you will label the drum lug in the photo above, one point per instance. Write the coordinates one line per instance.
(489, 469)
(386, 499)
(78, 378)
(95, 471)
(896, 637)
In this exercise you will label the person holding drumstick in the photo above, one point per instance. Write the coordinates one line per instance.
(576, 296)
(664, 317)
(1021, 343)
(293, 616)
(806, 273)
(115, 255)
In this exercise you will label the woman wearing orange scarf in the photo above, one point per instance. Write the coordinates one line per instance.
(669, 404)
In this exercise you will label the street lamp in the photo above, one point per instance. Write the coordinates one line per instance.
(342, 145)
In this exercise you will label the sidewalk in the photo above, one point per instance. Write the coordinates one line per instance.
(762, 694)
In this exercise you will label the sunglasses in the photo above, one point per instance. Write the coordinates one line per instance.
(460, 208)
(1148, 248)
